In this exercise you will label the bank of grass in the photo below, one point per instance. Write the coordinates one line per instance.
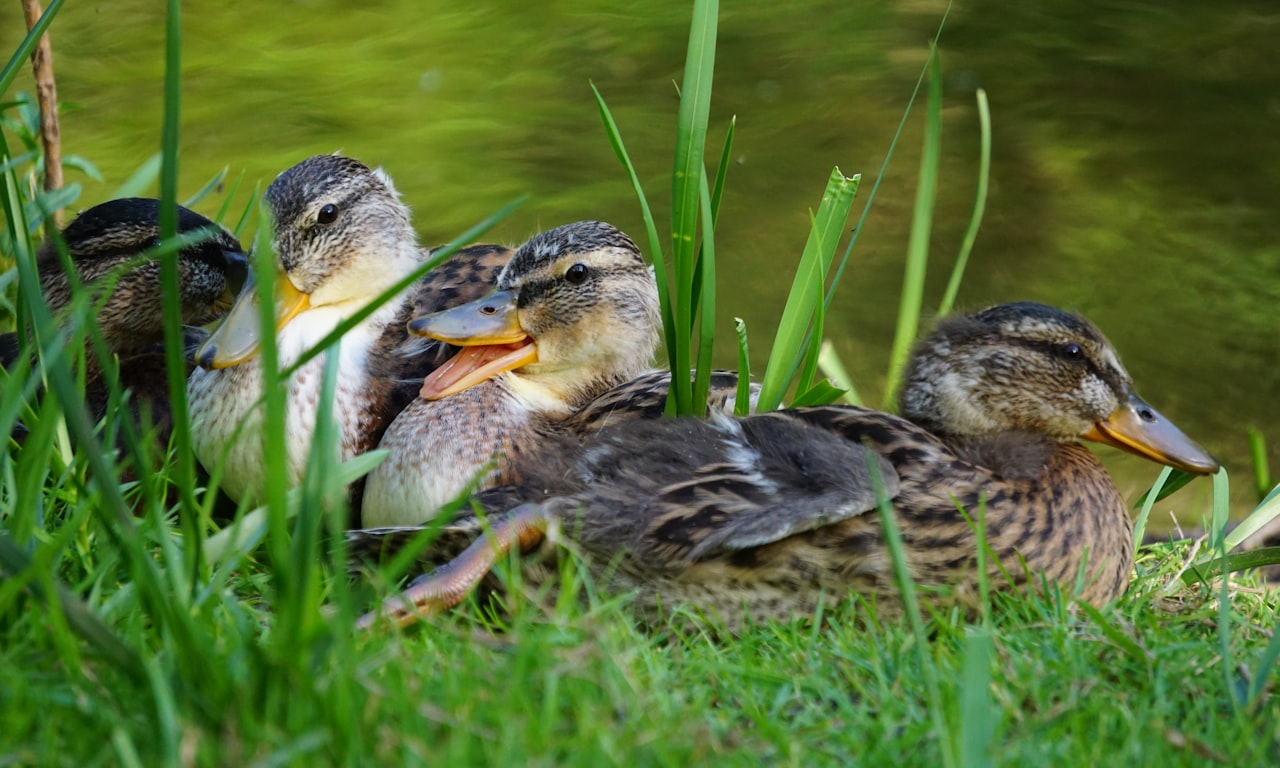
(130, 634)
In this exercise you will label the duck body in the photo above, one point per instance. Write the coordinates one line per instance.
(766, 516)
(342, 238)
(98, 243)
(574, 313)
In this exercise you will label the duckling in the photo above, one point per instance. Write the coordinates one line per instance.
(765, 516)
(574, 313)
(131, 319)
(342, 237)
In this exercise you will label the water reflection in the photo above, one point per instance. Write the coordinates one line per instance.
(1134, 174)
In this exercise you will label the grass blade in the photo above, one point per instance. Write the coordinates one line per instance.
(979, 205)
(1258, 456)
(911, 302)
(806, 288)
(28, 44)
(742, 400)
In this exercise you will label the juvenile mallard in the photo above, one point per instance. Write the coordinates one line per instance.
(342, 237)
(131, 319)
(763, 516)
(574, 313)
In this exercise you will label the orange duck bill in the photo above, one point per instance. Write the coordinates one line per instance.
(1140, 429)
(492, 341)
(239, 337)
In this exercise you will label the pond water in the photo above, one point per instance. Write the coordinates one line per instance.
(1136, 169)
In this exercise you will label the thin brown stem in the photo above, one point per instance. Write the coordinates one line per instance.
(47, 98)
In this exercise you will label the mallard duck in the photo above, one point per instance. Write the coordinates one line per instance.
(574, 313)
(342, 237)
(764, 516)
(131, 318)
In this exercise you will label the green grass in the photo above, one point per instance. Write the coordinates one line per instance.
(134, 632)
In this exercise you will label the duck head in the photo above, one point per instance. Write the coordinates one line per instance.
(575, 311)
(105, 238)
(341, 238)
(1032, 368)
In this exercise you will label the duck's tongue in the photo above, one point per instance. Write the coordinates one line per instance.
(473, 365)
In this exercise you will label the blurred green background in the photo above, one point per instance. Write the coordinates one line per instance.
(1136, 170)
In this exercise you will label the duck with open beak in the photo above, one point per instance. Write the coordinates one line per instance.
(574, 313)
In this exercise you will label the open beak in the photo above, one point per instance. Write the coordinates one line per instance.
(492, 341)
(238, 337)
(1140, 429)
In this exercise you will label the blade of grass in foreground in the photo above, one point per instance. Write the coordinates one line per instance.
(655, 243)
(1258, 454)
(806, 289)
(911, 607)
(686, 181)
(24, 49)
(175, 362)
(707, 310)
(979, 205)
(918, 245)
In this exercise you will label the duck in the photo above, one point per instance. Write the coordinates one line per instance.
(767, 516)
(342, 236)
(100, 241)
(573, 315)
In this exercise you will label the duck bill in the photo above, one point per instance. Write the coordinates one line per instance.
(492, 341)
(1140, 429)
(239, 337)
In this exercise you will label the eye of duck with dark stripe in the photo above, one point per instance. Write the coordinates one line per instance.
(1028, 367)
(575, 310)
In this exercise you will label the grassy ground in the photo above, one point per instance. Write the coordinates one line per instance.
(1153, 680)
(132, 634)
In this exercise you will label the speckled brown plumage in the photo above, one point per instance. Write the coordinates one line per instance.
(765, 516)
(342, 237)
(131, 320)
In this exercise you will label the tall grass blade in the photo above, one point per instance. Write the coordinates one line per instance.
(660, 266)
(742, 400)
(911, 608)
(833, 368)
(175, 362)
(806, 293)
(28, 44)
(884, 164)
(1221, 509)
(1258, 456)
(707, 302)
(686, 182)
(1264, 513)
(979, 205)
(912, 298)
(1140, 525)
(978, 713)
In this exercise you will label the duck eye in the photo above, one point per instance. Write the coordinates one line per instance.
(1073, 352)
(327, 214)
(577, 274)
